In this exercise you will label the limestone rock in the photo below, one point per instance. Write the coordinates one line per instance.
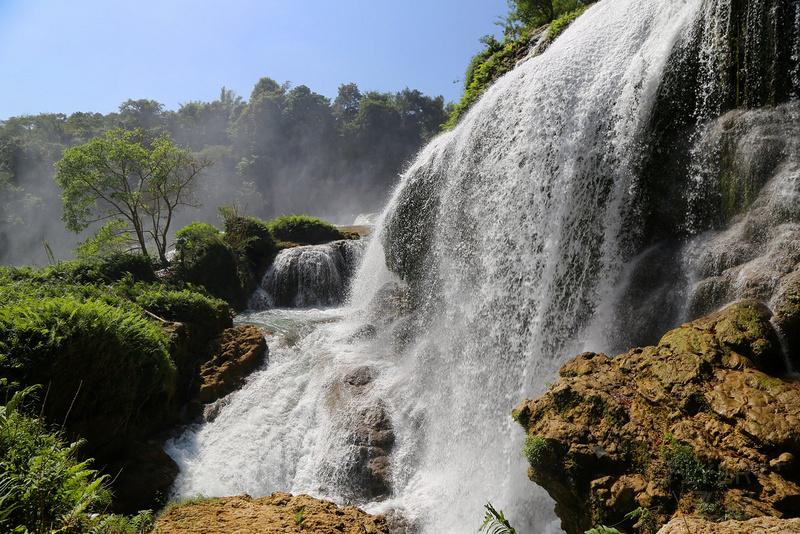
(691, 426)
(761, 525)
(230, 357)
(276, 513)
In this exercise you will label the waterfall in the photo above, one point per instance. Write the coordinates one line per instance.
(314, 275)
(524, 236)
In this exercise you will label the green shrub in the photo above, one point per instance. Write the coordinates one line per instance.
(303, 229)
(184, 305)
(112, 352)
(688, 469)
(536, 449)
(43, 488)
(195, 236)
(251, 238)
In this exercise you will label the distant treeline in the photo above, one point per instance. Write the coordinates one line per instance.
(285, 150)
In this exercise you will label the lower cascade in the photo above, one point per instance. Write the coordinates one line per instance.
(313, 275)
(597, 195)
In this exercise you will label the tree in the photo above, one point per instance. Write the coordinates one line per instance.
(131, 176)
(346, 104)
(534, 13)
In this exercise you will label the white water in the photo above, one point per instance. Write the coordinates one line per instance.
(527, 244)
(313, 275)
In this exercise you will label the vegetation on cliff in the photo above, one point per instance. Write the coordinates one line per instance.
(523, 26)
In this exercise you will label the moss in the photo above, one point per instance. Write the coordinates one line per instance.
(564, 399)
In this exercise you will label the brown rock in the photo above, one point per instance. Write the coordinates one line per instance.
(228, 359)
(692, 426)
(277, 513)
(761, 525)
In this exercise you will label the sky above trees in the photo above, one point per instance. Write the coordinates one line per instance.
(91, 55)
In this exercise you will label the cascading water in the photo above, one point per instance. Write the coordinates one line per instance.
(314, 275)
(518, 238)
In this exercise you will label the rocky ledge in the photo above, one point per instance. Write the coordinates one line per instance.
(694, 427)
(279, 512)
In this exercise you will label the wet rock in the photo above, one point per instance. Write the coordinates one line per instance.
(360, 377)
(691, 426)
(229, 358)
(367, 331)
(373, 438)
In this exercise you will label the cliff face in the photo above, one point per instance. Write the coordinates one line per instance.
(696, 425)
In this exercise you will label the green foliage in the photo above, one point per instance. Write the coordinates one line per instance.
(194, 236)
(182, 305)
(560, 24)
(114, 352)
(303, 229)
(249, 237)
(688, 469)
(141, 523)
(494, 522)
(494, 61)
(536, 449)
(111, 238)
(299, 515)
(128, 176)
(43, 488)
(602, 529)
(500, 57)
(535, 13)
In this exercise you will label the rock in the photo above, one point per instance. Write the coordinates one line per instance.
(762, 525)
(141, 478)
(228, 359)
(279, 512)
(691, 426)
(370, 435)
(360, 376)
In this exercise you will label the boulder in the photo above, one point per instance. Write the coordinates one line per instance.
(692, 426)
(227, 361)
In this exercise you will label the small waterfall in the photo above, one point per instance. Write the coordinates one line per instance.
(550, 221)
(314, 275)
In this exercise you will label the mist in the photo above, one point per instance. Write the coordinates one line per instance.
(285, 150)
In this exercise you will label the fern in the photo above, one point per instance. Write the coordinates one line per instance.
(494, 522)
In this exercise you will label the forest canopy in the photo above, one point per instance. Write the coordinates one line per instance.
(286, 149)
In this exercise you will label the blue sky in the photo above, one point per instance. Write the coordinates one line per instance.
(91, 55)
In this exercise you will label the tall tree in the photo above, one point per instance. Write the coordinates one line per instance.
(131, 176)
